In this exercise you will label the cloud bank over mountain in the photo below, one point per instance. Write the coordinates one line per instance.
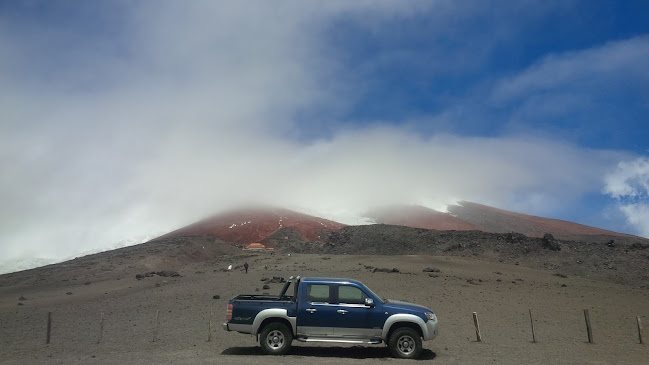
(125, 119)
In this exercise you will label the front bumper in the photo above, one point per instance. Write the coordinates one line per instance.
(431, 329)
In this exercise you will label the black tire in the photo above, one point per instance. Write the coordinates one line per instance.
(405, 343)
(275, 339)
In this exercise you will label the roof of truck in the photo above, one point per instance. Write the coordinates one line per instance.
(330, 280)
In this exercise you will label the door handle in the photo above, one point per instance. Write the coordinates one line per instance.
(341, 311)
(311, 310)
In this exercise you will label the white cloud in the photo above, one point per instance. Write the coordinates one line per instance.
(638, 216)
(622, 59)
(630, 180)
(192, 109)
(629, 184)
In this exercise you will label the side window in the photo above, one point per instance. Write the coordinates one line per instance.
(350, 295)
(317, 293)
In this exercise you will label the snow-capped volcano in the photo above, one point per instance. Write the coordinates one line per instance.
(244, 226)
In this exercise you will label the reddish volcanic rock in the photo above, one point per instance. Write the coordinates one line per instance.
(244, 226)
(417, 216)
(491, 219)
(472, 216)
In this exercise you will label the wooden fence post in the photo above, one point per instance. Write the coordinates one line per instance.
(49, 327)
(532, 323)
(588, 328)
(101, 327)
(637, 319)
(209, 326)
(157, 322)
(477, 326)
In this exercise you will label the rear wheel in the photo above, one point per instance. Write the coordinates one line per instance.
(405, 343)
(275, 339)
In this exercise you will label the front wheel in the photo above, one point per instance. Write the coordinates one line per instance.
(405, 343)
(275, 339)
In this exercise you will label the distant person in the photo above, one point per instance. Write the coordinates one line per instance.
(245, 266)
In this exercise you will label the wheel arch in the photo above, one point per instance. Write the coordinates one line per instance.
(272, 315)
(398, 325)
(270, 320)
(402, 320)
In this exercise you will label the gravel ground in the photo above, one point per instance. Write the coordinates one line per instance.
(500, 293)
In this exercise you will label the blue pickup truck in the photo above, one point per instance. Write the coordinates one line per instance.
(331, 310)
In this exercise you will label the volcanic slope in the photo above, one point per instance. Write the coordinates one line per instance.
(625, 261)
(472, 216)
(417, 216)
(491, 219)
(247, 225)
(103, 314)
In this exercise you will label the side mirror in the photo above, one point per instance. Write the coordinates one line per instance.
(369, 302)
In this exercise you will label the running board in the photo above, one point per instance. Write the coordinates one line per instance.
(338, 340)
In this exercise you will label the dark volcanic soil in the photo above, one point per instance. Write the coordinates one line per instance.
(501, 294)
(183, 280)
(625, 260)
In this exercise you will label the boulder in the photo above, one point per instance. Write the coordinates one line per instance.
(431, 269)
(377, 269)
(550, 243)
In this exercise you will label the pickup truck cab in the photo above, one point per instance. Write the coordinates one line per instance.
(331, 310)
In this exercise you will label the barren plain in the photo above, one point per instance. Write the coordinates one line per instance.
(501, 293)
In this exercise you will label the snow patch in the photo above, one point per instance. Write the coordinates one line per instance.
(351, 218)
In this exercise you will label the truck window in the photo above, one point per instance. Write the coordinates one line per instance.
(350, 295)
(317, 293)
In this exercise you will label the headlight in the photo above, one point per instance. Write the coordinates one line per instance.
(430, 316)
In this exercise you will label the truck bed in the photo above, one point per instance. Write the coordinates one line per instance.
(264, 298)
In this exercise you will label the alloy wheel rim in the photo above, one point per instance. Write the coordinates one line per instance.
(275, 339)
(406, 345)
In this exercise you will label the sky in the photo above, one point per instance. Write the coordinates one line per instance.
(122, 120)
